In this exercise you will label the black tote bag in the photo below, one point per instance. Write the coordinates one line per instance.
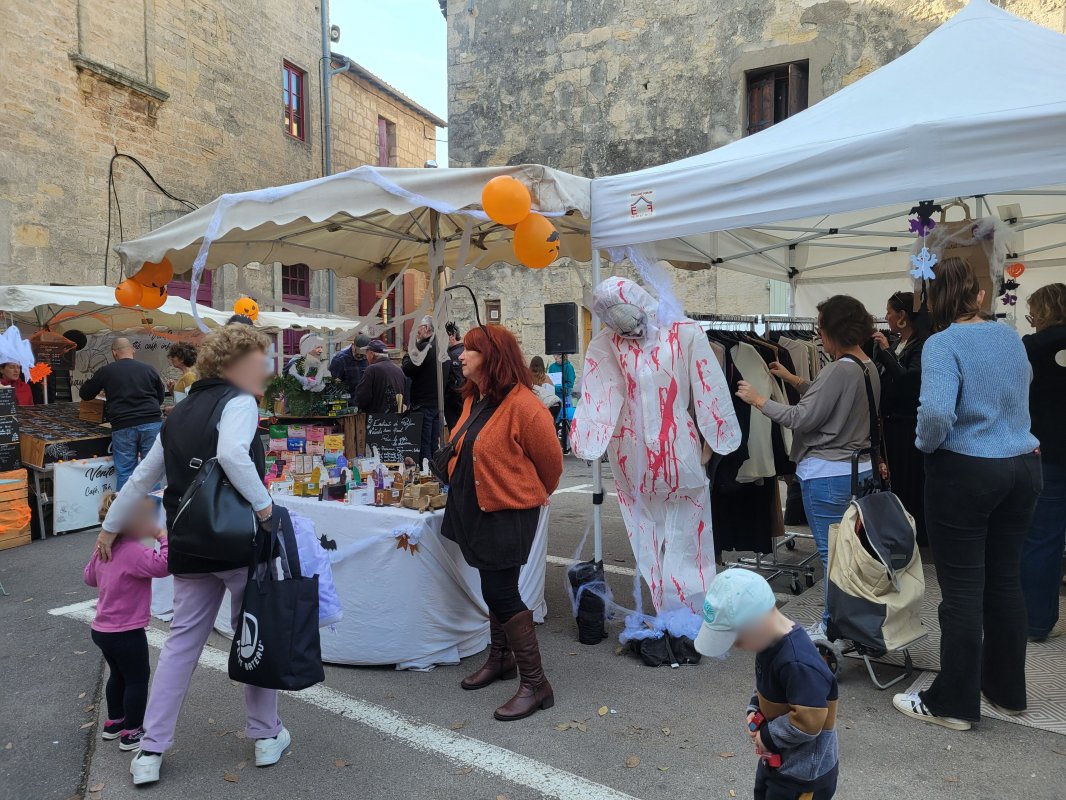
(276, 643)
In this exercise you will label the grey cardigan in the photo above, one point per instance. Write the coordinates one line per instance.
(832, 419)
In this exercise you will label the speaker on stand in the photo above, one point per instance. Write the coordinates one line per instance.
(560, 338)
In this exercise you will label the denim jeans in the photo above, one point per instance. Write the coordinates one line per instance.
(825, 500)
(1042, 554)
(128, 445)
(977, 513)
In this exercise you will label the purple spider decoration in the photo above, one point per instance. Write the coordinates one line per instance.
(921, 227)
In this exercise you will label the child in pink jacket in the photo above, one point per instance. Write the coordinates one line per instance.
(122, 614)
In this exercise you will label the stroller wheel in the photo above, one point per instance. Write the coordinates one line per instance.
(794, 585)
(790, 544)
(830, 656)
(810, 580)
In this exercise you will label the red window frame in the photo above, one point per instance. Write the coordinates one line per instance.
(293, 84)
(295, 291)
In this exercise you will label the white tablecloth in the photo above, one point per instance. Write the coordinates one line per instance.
(414, 611)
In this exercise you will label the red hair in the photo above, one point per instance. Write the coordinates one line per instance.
(502, 364)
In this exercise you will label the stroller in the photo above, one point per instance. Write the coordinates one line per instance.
(875, 582)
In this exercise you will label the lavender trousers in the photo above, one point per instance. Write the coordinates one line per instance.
(197, 599)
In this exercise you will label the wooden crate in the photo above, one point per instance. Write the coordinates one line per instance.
(13, 506)
(91, 410)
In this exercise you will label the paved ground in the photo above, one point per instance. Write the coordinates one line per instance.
(378, 733)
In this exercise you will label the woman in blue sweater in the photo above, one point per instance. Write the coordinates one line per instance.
(982, 481)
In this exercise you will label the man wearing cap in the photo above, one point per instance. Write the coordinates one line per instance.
(792, 715)
(382, 382)
(350, 363)
(420, 365)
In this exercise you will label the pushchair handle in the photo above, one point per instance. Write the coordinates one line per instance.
(877, 483)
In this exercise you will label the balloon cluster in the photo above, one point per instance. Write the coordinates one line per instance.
(507, 202)
(148, 288)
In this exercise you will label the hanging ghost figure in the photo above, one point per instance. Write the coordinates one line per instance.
(651, 398)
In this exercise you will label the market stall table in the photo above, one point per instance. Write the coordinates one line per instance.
(412, 609)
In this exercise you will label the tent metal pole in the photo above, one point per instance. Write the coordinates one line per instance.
(597, 464)
(791, 303)
(434, 288)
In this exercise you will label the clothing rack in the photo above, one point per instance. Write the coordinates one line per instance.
(749, 320)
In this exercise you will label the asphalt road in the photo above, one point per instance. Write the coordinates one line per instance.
(378, 733)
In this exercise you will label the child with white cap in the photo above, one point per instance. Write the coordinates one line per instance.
(792, 714)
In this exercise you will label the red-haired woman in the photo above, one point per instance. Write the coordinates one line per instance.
(507, 464)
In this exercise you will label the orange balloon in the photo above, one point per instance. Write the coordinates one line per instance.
(536, 242)
(506, 200)
(128, 293)
(155, 274)
(1015, 270)
(151, 297)
(247, 307)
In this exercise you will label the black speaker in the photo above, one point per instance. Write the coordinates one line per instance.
(560, 328)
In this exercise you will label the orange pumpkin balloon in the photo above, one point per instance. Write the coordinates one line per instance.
(128, 293)
(152, 298)
(506, 200)
(155, 274)
(1015, 270)
(247, 307)
(536, 242)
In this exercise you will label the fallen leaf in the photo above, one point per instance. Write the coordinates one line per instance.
(664, 769)
(231, 777)
(240, 734)
(952, 779)
(458, 726)
(563, 726)
(87, 725)
(574, 653)
(390, 696)
(581, 726)
(341, 763)
(80, 652)
(726, 755)
(210, 721)
(81, 696)
(8, 746)
(242, 764)
(501, 797)
(666, 731)
(732, 792)
(632, 761)
(604, 711)
(97, 787)
(464, 771)
(90, 707)
(28, 600)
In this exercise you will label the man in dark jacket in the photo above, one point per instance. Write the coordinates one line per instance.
(420, 365)
(382, 381)
(350, 363)
(453, 377)
(134, 394)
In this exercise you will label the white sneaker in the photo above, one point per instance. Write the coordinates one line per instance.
(911, 705)
(145, 768)
(1007, 712)
(269, 751)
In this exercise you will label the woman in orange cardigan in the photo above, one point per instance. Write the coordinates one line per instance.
(507, 464)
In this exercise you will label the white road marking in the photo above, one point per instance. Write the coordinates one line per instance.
(463, 751)
(584, 487)
(566, 562)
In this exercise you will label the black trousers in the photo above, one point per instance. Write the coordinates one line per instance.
(766, 788)
(126, 654)
(499, 587)
(977, 512)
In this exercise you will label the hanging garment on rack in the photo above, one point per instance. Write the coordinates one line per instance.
(801, 358)
(651, 397)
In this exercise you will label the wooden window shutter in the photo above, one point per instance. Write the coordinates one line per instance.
(760, 102)
(797, 88)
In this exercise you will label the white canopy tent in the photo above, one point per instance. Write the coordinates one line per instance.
(977, 110)
(92, 309)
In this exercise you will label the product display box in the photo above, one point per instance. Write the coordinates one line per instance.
(91, 410)
(56, 432)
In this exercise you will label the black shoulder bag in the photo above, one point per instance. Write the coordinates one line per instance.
(213, 521)
(438, 464)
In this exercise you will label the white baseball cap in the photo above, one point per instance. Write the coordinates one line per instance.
(736, 600)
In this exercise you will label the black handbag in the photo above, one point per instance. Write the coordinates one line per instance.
(213, 521)
(276, 643)
(438, 463)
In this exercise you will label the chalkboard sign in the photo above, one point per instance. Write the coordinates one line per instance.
(396, 436)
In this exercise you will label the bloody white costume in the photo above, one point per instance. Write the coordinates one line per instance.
(651, 396)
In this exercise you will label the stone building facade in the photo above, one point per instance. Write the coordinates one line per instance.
(193, 91)
(600, 87)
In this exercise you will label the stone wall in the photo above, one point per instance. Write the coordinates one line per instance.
(193, 90)
(599, 87)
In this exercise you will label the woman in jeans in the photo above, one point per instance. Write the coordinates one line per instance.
(830, 422)
(219, 418)
(982, 478)
(506, 466)
(1042, 556)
